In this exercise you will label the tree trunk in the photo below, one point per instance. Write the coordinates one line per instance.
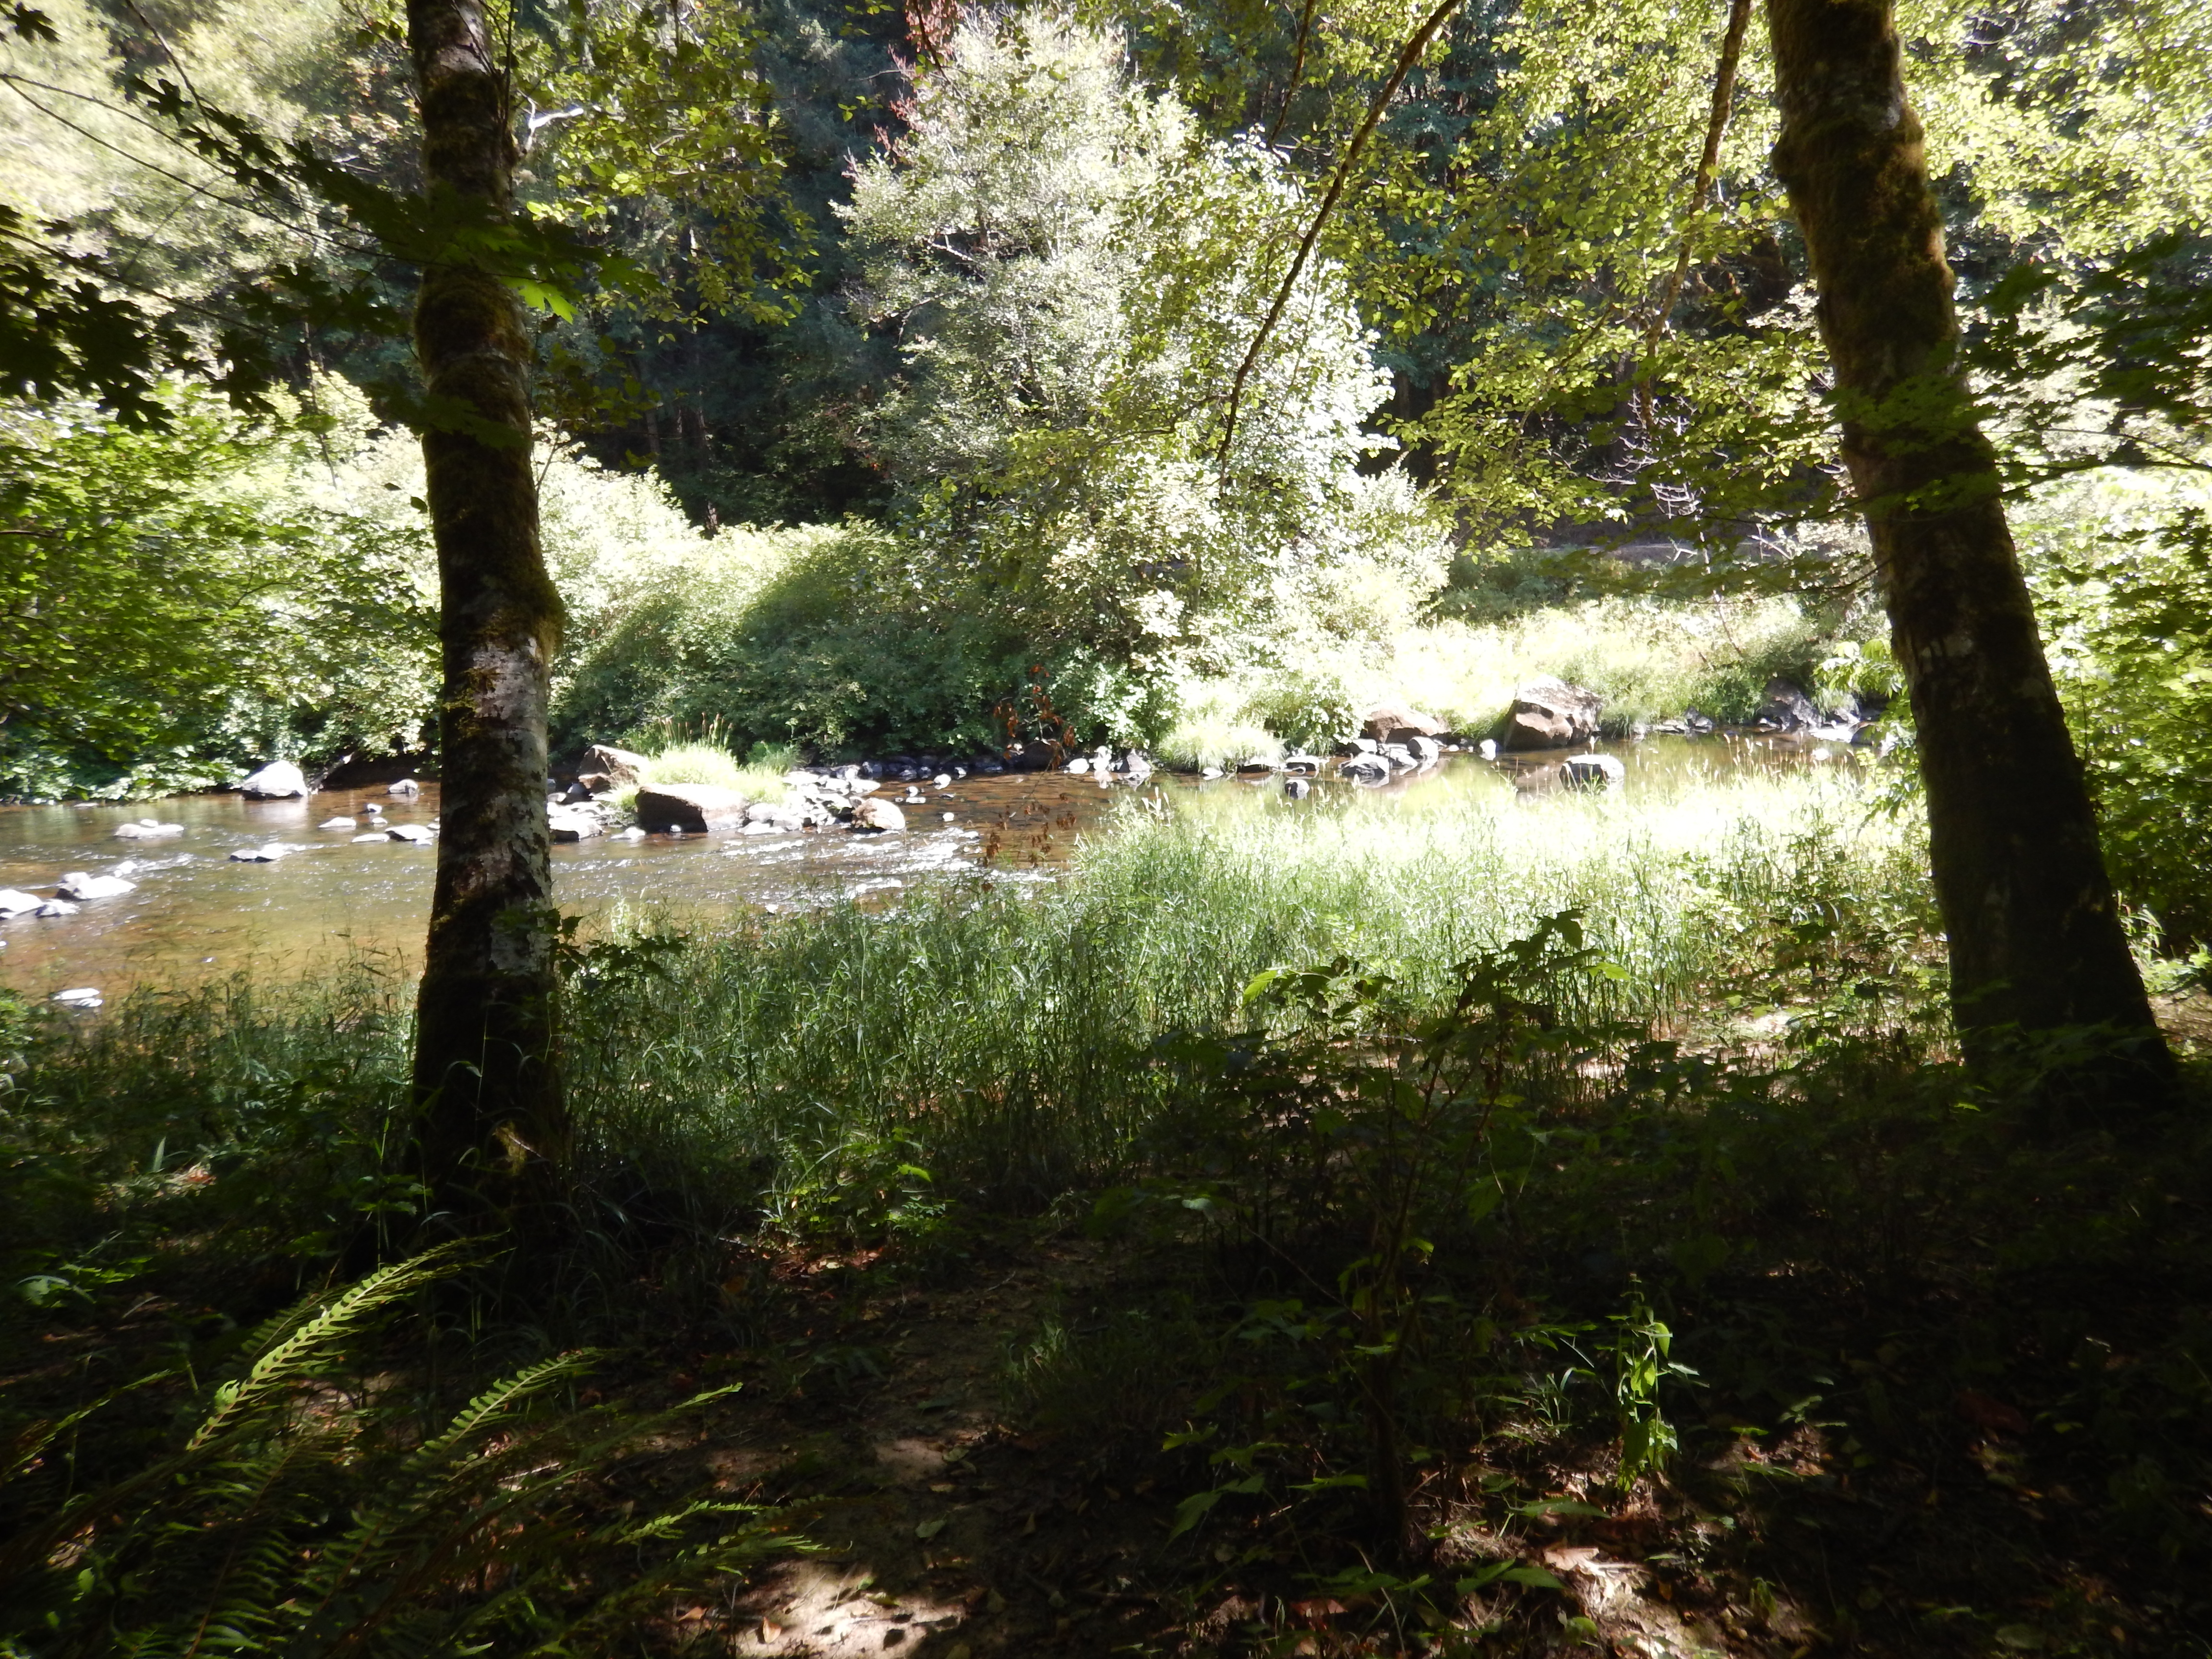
(2036, 943)
(491, 1126)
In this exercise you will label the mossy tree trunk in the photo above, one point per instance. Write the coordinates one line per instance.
(492, 1132)
(2036, 942)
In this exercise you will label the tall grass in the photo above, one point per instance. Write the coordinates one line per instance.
(1000, 1035)
(994, 1034)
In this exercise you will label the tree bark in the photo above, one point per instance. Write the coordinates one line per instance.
(2036, 943)
(491, 1126)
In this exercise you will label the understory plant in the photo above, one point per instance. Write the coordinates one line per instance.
(315, 1503)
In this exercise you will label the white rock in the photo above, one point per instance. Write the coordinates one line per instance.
(335, 823)
(948, 817)
(877, 814)
(406, 789)
(14, 902)
(1487, 749)
(1594, 771)
(373, 835)
(1078, 765)
(57, 907)
(942, 780)
(267, 853)
(84, 996)
(77, 887)
(278, 780)
(147, 830)
(375, 808)
(408, 832)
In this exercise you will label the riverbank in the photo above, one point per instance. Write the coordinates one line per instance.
(1040, 1246)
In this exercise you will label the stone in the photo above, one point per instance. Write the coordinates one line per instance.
(1786, 708)
(1487, 749)
(1425, 751)
(335, 824)
(942, 780)
(414, 834)
(1697, 725)
(1078, 765)
(879, 815)
(595, 783)
(77, 887)
(1594, 771)
(692, 808)
(373, 835)
(1302, 766)
(1136, 766)
(268, 853)
(774, 814)
(373, 809)
(622, 767)
(1297, 788)
(1209, 771)
(82, 996)
(14, 901)
(1382, 721)
(1550, 713)
(146, 830)
(1257, 765)
(1366, 768)
(631, 833)
(278, 780)
(568, 828)
(406, 789)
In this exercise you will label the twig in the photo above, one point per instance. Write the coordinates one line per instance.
(1408, 56)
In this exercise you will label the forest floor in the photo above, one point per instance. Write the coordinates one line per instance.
(877, 1414)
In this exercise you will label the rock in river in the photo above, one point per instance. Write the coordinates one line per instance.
(278, 780)
(1549, 714)
(620, 767)
(877, 815)
(1594, 771)
(408, 832)
(83, 996)
(147, 830)
(1386, 720)
(406, 789)
(692, 808)
(269, 853)
(335, 823)
(14, 902)
(76, 887)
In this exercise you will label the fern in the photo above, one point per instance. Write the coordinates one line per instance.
(300, 1520)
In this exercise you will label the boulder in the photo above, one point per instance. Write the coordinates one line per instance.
(1257, 766)
(1297, 788)
(1594, 771)
(1697, 724)
(775, 815)
(335, 824)
(412, 833)
(568, 828)
(693, 808)
(14, 901)
(1302, 766)
(873, 814)
(1425, 751)
(373, 835)
(1384, 720)
(1366, 768)
(595, 783)
(406, 789)
(147, 830)
(77, 887)
(621, 767)
(269, 853)
(1079, 764)
(82, 996)
(1786, 708)
(278, 780)
(1550, 713)
(1487, 749)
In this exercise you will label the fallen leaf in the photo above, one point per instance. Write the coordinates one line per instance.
(1316, 1613)
(929, 1529)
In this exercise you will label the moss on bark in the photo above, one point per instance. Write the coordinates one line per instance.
(2035, 944)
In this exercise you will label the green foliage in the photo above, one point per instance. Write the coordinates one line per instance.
(175, 606)
(2124, 585)
(1072, 274)
(307, 1507)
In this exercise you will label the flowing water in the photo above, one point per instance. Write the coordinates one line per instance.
(195, 913)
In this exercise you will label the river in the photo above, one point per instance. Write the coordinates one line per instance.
(194, 913)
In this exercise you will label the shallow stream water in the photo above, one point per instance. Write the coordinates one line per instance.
(194, 913)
